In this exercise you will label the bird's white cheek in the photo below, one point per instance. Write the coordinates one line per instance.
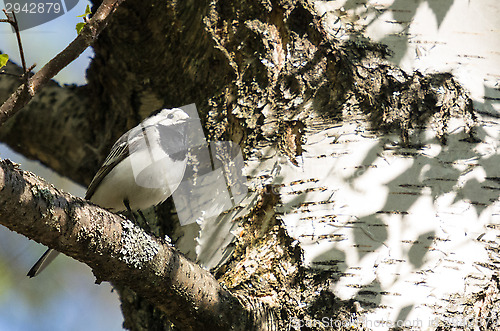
(154, 169)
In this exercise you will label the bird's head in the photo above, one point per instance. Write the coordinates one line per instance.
(167, 117)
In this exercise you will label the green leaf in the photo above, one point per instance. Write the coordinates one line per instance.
(3, 59)
(79, 27)
(87, 12)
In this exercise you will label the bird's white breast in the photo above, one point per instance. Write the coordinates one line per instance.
(145, 178)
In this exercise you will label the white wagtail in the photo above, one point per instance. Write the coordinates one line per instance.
(145, 166)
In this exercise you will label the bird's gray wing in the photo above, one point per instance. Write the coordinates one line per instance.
(172, 140)
(119, 152)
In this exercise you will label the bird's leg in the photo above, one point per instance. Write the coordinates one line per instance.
(142, 216)
(146, 224)
(126, 203)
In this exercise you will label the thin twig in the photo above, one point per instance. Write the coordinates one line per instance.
(13, 22)
(34, 84)
(3, 72)
(28, 71)
(20, 44)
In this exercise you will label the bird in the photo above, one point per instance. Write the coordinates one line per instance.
(144, 167)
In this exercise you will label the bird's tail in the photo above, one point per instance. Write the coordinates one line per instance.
(43, 262)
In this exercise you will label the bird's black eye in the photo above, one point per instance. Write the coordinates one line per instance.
(170, 116)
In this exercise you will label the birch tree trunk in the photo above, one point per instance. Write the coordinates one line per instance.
(369, 186)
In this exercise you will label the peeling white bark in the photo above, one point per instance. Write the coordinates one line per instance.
(408, 233)
(459, 36)
(403, 233)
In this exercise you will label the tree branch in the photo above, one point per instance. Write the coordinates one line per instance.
(88, 35)
(118, 251)
(61, 133)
